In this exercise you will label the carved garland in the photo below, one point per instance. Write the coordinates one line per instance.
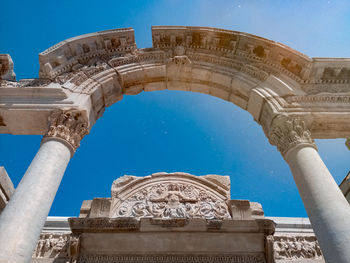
(288, 132)
(68, 125)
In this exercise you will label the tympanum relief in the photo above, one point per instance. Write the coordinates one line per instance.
(172, 200)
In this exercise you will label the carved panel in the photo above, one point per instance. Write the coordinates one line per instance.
(168, 196)
(172, 200)
(73, 53)
(296, 247)
(52, 246)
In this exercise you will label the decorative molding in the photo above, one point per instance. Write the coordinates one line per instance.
(183, 258)
(288, 132)
(67, 125)
(73, 53)
(266, 226)
(180, 60)
(223, 63)
(103, 223)
(173, 222)
(319, 99)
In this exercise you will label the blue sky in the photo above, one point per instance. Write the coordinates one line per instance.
(172, 130)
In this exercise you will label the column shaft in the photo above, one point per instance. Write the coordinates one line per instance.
(327, 208)
(22, 220)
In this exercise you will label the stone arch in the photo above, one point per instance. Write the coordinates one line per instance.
(293, 97)
(226, 64)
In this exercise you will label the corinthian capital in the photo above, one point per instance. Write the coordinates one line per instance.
(69, 126)
(288, 132)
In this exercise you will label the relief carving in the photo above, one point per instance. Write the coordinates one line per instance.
(296, 248)
(52, 246)
(68, 125)
(74, 248)
(180, 60)
(172, 200)
(338, 75)
(288, 132)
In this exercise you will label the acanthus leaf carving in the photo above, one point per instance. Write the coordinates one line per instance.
(68, 125)
(287, 132)
(172, 200)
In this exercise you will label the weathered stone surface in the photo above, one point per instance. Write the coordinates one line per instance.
(6, 68)
(266, 78)
(174, 195)
(283, 247)
(345, 187)
(69, 126)
(294, 98)
(6, 188)
(171, 216)
(296, 248)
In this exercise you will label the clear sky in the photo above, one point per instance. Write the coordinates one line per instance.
(172, 130)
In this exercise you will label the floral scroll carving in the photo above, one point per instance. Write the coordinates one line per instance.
(67, 125)
(288, 132)
(172, 200)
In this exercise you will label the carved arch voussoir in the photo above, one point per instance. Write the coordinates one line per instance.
(94, 71)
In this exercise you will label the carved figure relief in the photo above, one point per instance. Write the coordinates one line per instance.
(52, 246)
(172, 200)
(296, 248)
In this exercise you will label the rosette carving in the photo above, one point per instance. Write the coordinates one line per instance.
(68, 125)
(288, 132)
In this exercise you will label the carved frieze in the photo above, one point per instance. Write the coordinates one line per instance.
(52, 246)
(76, 52)
(296, 247)
(68, 125)
(287, 132)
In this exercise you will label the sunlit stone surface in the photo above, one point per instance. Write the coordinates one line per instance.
(175, 217)
(293, 97)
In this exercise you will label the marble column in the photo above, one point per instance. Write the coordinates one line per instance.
(23, 218)
(327, 208)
